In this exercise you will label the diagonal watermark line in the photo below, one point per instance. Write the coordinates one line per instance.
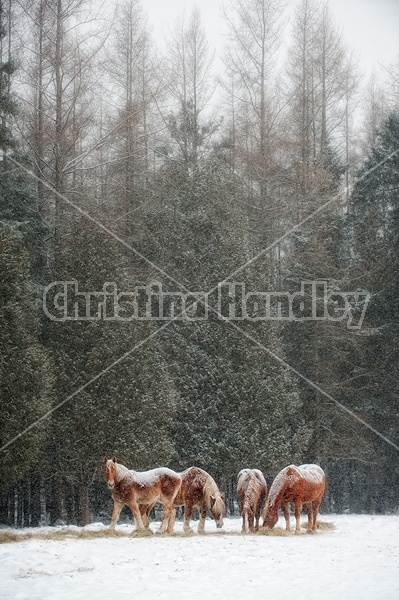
(85, 385)
(98, 223)
(311, 383)
(124, 356)
(303, 221)
(233, 273)
(284, 236)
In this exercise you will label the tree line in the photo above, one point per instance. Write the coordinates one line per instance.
(127, 163)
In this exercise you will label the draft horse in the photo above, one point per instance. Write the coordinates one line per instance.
(198, 489)
(136, 488)
(298, 485)
(251, 492)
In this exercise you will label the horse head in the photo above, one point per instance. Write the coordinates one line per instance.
(110, 471)
(270, 517)
(217, 508)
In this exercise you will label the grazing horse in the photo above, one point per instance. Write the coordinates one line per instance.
(299, 485)
(251, 491)
(198, 489)
(135, 488)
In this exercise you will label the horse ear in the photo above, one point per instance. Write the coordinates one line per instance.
(114, 459)
(213, 500)
(105, 460)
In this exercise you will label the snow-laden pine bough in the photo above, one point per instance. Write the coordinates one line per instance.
(251, 492)
(297, 485)
(136, 488)
(198, 489)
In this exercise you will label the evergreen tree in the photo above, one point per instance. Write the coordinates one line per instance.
(235, 405)
(127, 410)
(374, 222)
(25, 370)
(323, 350)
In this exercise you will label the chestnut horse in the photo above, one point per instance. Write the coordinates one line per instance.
(299, 485)
(251, 491)
(147, 487)
(198, 489)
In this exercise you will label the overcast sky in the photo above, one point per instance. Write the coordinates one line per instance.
(370, 27)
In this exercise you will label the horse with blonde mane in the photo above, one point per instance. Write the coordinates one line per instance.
(298, 485)
(135, 488)
(251, 492)
(198, 489)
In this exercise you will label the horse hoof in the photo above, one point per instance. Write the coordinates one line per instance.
(188, 531)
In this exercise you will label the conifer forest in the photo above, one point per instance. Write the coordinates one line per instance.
(199, 254)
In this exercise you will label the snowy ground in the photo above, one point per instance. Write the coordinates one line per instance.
(359, 560)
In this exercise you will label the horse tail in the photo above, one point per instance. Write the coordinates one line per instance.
(253, 491)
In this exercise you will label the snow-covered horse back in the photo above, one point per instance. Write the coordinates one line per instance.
(299, 485)
(135, 488)
(251, 492)
(198, 489)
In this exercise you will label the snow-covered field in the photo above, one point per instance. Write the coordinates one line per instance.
(357, 560)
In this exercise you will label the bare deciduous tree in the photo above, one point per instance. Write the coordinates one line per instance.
(187, 82)
(58, 70)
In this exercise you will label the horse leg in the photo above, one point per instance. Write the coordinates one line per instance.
(147, 516)
(315, 505)
(245, 525)
(134, 507)
(258, 511)
(309, 511)
(286, 510)
(251, 519)
(145, 510)
(172, 518)
(115, 514)
(298, 507)
(168, 515)
(243, 516)
(201, 524)
(188, 511)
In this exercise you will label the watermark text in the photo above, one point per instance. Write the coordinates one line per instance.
(314, 301)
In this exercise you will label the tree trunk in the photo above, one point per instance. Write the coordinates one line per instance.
(59, 175)
(35, 509)
(56, 500)
(84, 512)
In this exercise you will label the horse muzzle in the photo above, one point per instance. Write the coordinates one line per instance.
(111, 485)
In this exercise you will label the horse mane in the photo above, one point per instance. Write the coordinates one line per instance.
(121, 471)
(280, 484)
(211, 489)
